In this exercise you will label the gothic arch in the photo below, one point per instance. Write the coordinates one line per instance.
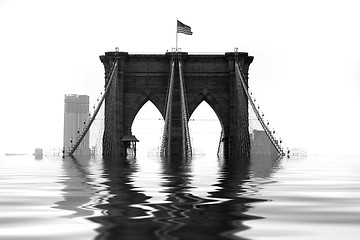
(213, 103)
(139, 103)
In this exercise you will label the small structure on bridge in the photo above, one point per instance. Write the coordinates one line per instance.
(130, 144)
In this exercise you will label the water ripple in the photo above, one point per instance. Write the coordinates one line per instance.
(205, 198)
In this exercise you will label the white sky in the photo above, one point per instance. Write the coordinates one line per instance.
(305, 75)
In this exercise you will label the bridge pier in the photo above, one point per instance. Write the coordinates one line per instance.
(239, 137)
(145, 77)
(176, 136)
(115, 127)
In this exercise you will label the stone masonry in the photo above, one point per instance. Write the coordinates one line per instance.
(145, 77)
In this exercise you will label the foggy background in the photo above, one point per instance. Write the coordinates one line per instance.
(305, 74)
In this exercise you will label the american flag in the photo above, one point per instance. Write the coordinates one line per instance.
(182, 28)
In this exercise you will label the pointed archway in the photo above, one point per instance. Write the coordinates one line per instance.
(147, 127)
(205, 129)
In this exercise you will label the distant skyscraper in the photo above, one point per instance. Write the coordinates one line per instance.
(261, 144)
(76, 116)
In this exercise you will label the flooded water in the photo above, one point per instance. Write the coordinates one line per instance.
(317, 197)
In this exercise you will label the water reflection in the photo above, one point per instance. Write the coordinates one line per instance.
(76, 191)
(83, 187)
(119, 195)
(263, 167)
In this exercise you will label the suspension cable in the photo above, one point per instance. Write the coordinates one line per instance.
(259, 117)
(87, 127)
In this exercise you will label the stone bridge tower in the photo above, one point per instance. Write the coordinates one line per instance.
(146, 77)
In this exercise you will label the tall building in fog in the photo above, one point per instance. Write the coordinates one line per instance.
(76, 116)
(261, 144)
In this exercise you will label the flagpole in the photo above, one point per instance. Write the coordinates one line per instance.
(176, 49)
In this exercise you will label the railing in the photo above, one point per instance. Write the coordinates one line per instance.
(92, 118)
(168, 112)
(165, 139)
(220, 147)
(241, 85)
(185, 114)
